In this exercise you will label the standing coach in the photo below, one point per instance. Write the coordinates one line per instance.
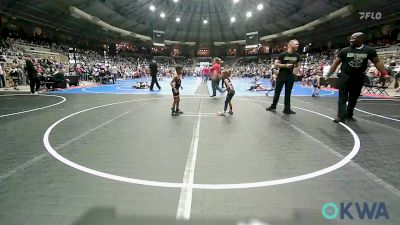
(354, 61)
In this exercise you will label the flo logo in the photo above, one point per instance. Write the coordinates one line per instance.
(355, 210)
(370, 15)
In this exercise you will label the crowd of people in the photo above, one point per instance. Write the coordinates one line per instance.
(97, 66)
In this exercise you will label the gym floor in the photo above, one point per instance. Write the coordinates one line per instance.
(70, 159)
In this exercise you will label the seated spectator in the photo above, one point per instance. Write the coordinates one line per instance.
(15, 76)
(59, 79)
(2, 76)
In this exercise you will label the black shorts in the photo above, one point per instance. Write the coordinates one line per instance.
(175, 93)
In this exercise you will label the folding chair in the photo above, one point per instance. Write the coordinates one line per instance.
(46, 84)
(368, 86)
(384, 84)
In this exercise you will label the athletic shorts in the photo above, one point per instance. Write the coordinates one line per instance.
(175, 93)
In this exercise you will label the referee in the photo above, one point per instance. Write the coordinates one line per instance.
(153, 72)
(354, 60)
(287, 62)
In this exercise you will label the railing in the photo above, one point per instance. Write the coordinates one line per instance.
(395, 48)
(31, 47)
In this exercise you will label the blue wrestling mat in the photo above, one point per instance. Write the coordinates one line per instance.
(190, 86)
(242, 85)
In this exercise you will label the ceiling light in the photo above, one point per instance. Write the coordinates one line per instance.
(235, 1)
(260, 6)
(162, 15)
(152, 7)
(205, 21)
(178, 19)
(175, 1)
(233, 19)
(249, 14)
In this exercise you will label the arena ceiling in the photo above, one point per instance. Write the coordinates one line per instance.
(276, 16)
(144, 16)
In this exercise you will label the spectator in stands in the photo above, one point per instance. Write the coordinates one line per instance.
(95, 73)
(34, 81)
(2, 77)
(127, 73)
(79, 71)
(59, 78)
(103, 76)
(206, 73)
(391, 69)
(372, 75)
(15, 76)
(114, 73)
(397, 82)
(109, 75)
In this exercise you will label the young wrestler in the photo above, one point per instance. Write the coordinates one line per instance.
(231, 92)
(176, 83)
(316, 81)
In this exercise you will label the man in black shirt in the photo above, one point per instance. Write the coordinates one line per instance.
(354, 61)
(32, 75)
(287, 62)
(153, 71)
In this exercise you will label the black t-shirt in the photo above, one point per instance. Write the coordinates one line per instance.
(288, 58)
(14, 73)
(153, 68)
(30, 69)
(355, 61)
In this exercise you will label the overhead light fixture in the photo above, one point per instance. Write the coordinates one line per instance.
(178, 19)
(249, 14)
(235, 1)
(175, 1)
(152, 8)
(260, 6)
(162, 15)
(205, 21)
(233, 19)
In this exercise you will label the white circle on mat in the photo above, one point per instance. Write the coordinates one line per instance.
(35, 109)
(288, 180)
